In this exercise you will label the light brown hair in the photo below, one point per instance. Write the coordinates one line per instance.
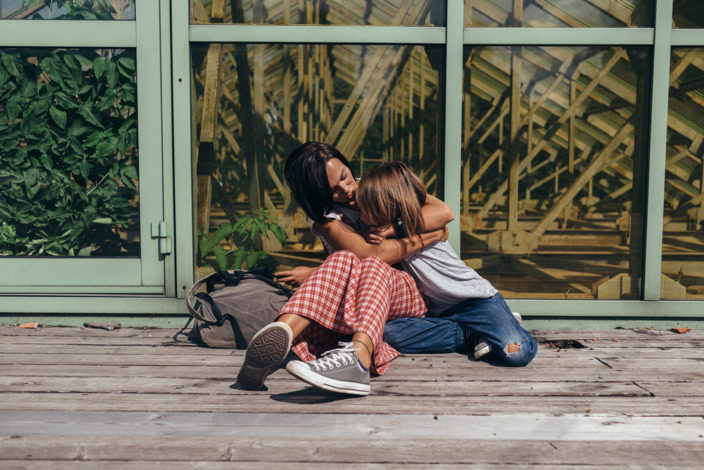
(391, 191)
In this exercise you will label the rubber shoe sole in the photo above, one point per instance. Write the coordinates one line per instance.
(267, 349)
(299, 370)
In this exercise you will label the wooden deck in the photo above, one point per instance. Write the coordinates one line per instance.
(129, 398)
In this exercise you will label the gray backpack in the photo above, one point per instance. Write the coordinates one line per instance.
(236, 306)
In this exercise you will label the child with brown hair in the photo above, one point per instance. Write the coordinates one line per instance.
(389, 197)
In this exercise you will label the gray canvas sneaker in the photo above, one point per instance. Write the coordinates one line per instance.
(338, 370)
(267, 349)
(482, 348)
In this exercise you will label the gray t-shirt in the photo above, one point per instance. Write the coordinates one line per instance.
(445, 278)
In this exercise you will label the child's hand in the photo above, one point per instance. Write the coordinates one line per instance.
(294, 277)
(446, 234)
(376, 235)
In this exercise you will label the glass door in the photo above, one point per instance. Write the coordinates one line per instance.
(81, 179)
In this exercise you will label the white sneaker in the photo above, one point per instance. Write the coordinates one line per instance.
(338, 370)
(482, 348)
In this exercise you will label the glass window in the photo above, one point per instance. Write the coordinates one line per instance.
(68, 158)
(67, 9)
(554, 148)
(683, 237)
(374, 103)
(321, 12)
(559, 13)
(688, 14)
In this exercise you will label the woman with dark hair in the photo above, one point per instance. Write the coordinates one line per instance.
(351, 296)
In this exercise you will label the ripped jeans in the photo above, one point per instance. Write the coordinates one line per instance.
(490, 318)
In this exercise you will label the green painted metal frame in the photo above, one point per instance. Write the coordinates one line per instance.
(93, 281)
(455, 36)
(176, 35)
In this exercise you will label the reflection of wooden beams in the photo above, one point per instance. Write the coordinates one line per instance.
(248, 116)
(617, 10)
(618, 55)
(515, 117)
(550, 276)
(208, 123)
(368, 107)
(616, 104)
(363, 81)
(485, 166)
(681, 66)
(594, 167)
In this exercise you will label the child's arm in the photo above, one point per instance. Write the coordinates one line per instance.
(296, 276)
(343, 237)
(436, 215)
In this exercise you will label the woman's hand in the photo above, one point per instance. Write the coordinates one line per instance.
(296, 276)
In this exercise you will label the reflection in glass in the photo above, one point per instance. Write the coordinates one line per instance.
(559, 13)
(553, 169)
(68, 165)
(67, 9)
(683, 237)
(374, 103)
(321, 12)
(688, 14)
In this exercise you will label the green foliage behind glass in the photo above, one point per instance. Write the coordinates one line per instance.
(68, 133)
(78, 9)
(243, 237)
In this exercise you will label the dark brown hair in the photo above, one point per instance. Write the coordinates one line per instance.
(307, 177)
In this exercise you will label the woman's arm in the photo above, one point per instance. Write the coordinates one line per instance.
(342, 237)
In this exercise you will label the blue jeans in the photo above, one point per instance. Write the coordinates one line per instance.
(489, 318)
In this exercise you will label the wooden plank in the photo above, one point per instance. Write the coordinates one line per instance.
(267, 464)
(388, 428)
(217, 449)
(224, 386)
(565, 360)
(310, 400)
(444, 372)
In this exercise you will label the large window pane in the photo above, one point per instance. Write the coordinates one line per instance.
(255, 103)
(553, 169)
(683, 237)
(688, 14)
(559, 13)
(321, 12)
(67, 9)
(68, 156)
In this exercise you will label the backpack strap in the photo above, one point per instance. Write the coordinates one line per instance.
(192, 294)
(240, 340)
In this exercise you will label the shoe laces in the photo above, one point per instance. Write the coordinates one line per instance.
(346, 354)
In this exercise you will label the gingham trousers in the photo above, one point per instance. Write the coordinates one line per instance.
(346, 295)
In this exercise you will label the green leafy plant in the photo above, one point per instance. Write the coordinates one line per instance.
(80, 9)
(68, 136)
(244, 238)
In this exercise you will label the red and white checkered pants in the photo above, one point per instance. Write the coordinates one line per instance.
(346, 295)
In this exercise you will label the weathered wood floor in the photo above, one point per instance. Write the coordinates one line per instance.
(87, 398)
